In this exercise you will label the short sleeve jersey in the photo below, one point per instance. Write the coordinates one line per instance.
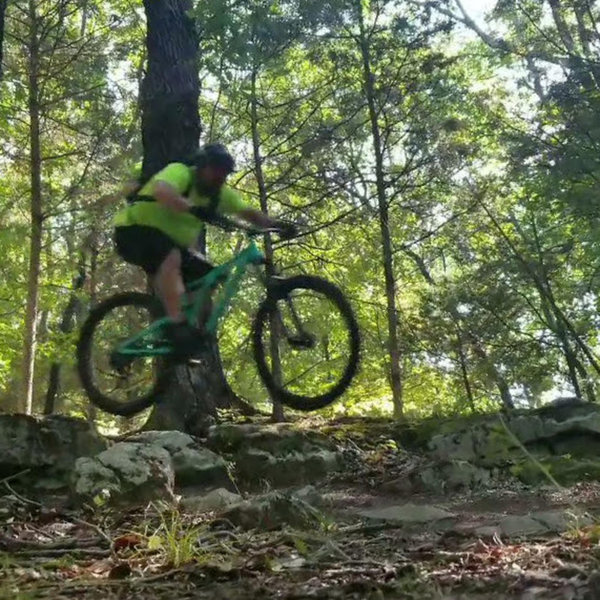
(183, 228)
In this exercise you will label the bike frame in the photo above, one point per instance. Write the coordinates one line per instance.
(198, 292)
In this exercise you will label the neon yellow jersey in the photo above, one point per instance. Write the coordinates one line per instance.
(182, 228)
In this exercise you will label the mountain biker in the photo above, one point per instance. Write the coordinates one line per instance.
(158, 230)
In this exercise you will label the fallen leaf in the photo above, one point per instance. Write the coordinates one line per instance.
(129, 540)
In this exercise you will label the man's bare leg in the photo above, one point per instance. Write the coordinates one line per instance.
(169, 285)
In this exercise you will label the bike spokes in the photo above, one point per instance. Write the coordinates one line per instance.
(306, 336)
(122, 371)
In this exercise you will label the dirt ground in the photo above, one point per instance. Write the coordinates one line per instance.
(52, 552)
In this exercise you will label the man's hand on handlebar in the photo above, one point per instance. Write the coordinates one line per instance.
(203, 213)
(287, 230)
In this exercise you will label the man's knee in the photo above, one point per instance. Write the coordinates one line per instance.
(172, 262)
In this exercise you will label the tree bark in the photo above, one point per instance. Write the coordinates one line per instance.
(36, 215)
(462, 359)
(562, 26)
(2, 13)
(171, 88)
(170, 132)
(386, 240)
(277, 415)
(66, 326)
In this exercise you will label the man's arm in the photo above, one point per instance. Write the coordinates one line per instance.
(258, 218)
(286, 229)
(168, 196)
(232, 204)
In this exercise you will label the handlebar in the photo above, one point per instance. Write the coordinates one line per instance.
(228, 224)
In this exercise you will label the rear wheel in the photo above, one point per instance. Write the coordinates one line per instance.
(306, 342)
(118, 383)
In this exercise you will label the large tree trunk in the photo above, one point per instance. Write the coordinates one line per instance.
(386, 240)
(171, 88)
(171, 131)
(35, 249)
(277, 415)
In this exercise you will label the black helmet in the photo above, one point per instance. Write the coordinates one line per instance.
(215, 155)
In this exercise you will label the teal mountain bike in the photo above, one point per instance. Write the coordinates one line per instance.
(125, 360)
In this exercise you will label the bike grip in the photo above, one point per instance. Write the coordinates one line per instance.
(201, 212)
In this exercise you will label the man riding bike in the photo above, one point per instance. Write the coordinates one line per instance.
(158, 229)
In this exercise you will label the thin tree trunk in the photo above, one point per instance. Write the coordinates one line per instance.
(35, 250)
(549, 306)
(462, 357)
(587, 36)
(91, 410)
(585, 68)
(65, 326)
(277, 415)
(552, 311)
(562, 26)
(388, 256)
(2, 13)
(488, 365)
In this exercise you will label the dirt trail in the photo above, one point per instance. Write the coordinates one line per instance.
(426, 546)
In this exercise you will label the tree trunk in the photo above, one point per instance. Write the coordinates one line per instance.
(2, 13)
(462, 359)
(386, 240)
(91, 410)
(555, 317)
(171, 88)
(65, 326)
(35, 249)
(479, 351)
(277, 415)
(170, 132)
(562, 26)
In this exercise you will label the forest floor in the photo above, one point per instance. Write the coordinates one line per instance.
(52, 552)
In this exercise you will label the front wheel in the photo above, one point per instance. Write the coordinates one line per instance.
(306, 342)
(117, 383)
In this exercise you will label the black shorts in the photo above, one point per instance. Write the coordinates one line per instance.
(147, 247)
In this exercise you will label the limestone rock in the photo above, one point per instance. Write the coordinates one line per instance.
(255, 465)
(274, 511)
(47, 446)
(558, 521)
(126, 474)
(454, 475)
(277, 455)
(276, 438)
(565, 469)
(309, 494)
(215, 501)
(488, 444)
(408, 514)
(521, 526)
(534, 524)
(194, 465)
